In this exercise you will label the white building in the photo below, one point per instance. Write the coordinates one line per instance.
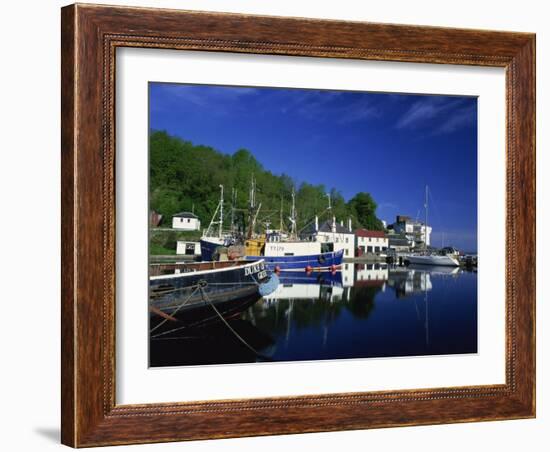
(371, 242)
(186, 221)
(334, 234)
(187, 248)
(413, 229)
(348, 274)
(372, 274)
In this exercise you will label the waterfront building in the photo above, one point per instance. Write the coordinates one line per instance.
(370, 242)
(414, 230)
(371, 275)
(348, 274)
(332, 232)
(186, 221)
(400, 243)
(187, 248)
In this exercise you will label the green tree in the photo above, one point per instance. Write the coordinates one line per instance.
(363, 208)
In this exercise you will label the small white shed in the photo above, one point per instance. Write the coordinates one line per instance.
(186, 221)
(187, 248)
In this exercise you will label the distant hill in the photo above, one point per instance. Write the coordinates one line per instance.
(185, 177)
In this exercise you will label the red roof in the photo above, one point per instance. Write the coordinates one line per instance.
(366, 233)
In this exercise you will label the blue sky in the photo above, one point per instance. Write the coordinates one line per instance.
(390, 145)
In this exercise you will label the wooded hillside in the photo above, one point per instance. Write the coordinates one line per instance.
(186, 177)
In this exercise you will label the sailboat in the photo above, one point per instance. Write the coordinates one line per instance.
(428, 258)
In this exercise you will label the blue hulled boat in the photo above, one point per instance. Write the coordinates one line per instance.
(210, 245)
(314, 262)
(279, 252)
(325, 278)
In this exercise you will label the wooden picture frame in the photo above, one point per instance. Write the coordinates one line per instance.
(90, 36)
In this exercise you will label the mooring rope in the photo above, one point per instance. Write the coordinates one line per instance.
(205, 297)
(197, 287)
(252, 349)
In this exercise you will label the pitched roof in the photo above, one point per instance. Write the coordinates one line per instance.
(327, 227)
(185, 215)
(369, 233)
(398, 241)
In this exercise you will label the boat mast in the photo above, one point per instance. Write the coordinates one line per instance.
(233, 203)
(281, 216)
(220, 230)
(293, 215)
(252, 194)
(212, 220)
(251, 207)
(426, 223)
(427, 320)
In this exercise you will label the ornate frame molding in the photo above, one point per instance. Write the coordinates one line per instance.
(90, 37)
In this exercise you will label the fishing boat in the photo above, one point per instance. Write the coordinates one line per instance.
(287, 252)
(280, 252)
(300, 262)
(215, 237)
(443, 258)
(196, 294)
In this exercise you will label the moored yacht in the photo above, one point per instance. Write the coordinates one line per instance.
(444, 260)
(448, 257)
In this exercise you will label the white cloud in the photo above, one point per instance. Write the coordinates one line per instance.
(439, 112)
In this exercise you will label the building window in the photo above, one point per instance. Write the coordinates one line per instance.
(347, 251)
(347, 240)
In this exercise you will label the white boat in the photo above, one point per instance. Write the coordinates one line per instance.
(433, 259)
(442, 259)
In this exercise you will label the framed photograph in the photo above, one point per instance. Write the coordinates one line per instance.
(282, 225)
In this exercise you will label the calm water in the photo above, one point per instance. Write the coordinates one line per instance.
(364, 311)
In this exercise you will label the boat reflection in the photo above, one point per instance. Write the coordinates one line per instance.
(345, 314)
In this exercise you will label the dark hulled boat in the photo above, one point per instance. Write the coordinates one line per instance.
(196, 294)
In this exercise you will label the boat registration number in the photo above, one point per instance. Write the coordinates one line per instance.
(262, 274)
(253, 269)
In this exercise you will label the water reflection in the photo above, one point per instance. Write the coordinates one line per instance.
(365, 310)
